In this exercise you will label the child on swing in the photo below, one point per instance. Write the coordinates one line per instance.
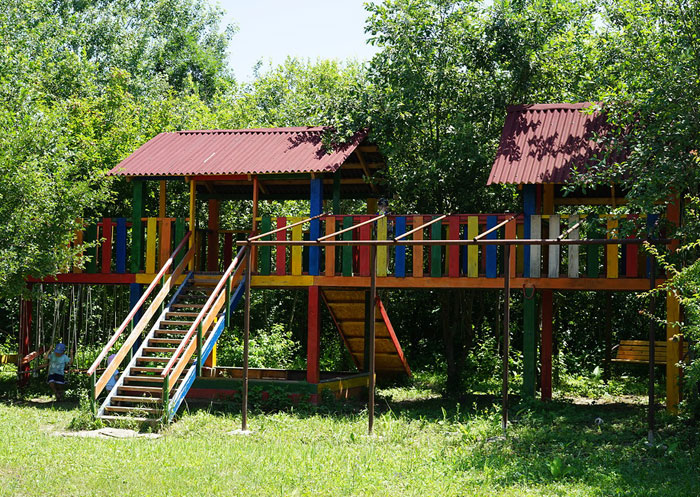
(57, 366)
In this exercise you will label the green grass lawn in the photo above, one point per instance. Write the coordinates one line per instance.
(418, 449)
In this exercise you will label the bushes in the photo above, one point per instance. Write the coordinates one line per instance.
(273, 348)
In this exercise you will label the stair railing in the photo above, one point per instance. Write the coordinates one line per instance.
(98, 385)
(200, 327)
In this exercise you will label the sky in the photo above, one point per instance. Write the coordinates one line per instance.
(270, 30)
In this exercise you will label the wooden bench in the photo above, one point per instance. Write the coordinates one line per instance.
(637, 351)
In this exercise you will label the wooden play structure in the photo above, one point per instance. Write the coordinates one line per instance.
(195, 274)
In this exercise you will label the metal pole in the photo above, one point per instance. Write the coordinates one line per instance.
(246, 336)
(652, 347)
(506, 335)
(372, 320)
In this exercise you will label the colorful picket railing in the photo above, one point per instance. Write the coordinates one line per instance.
(146, 250)
(418, 261)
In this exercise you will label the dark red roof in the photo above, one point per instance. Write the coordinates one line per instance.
(541, 143)
(240, 151)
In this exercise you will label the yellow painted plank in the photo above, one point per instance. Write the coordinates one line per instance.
(472, 250)
(286, 280)
(417, 249)
(297, 233)
(146, 279)
(151, 238)
(382, 249)
(612, 250)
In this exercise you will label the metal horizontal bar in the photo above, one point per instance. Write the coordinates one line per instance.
(310, 243)
(422, 226)
(369, 221)
(499, 225)
(257, 237)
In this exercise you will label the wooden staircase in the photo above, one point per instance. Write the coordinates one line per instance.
(138, 394)
(347, 307)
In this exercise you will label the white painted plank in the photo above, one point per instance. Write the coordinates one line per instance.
(554, 250)
(573, 249)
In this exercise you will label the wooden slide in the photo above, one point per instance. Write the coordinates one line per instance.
(347, 307)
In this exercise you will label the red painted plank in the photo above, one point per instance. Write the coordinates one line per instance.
(365, 234)
(453, 270)
(88, 278)
(547, 316)
(281, 250)
(313, 365)
(107, 245)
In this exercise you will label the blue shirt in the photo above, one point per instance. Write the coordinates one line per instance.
(57, 364)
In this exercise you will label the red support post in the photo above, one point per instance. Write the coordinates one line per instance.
(228, 249)
(281, 250)
(107, 245)
(313, 366)
(547, 317)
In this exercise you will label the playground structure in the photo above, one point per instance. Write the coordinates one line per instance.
(167, 351)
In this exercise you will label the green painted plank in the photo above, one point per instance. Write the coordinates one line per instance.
(436, 251)
(347, 250)
(137, 230)
(180, 230)
(265, 252)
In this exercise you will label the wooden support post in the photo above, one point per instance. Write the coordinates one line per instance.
(372, 206)
(372, 334)
(548, 199)
(336, 192)
(652, 353)
(213, 236)
(193, 219)
(673, 352)
(246, 340)
(529, 342)
(137, 227)
(510, 235)
(164, 241)
(547, 318)
(161, 198)
(316, 202)
(330, 249)
(506, 333)
(25, 339)
(313, 348)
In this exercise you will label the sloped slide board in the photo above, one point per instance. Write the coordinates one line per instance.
(347, 308)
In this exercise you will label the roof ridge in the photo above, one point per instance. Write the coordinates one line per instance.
(555, 106)
(296, 129)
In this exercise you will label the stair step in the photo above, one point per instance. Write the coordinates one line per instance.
(158, 350)
(181, 305)
(145, 379)
(173, 341)
(136, 399)
(138, 419)
(163, 360)
(168, 322)
(150, 410)
(145, 369)
(136, 388)
(170, 332)
(181, 314)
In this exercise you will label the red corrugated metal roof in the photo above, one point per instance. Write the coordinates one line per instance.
(240, 151)
(541, 143)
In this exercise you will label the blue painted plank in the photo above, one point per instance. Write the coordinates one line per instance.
(315, 228)
(120, 245)
(491, 250)
(400, 254)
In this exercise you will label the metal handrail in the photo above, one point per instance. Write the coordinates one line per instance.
(138, 306)
(203, 313)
